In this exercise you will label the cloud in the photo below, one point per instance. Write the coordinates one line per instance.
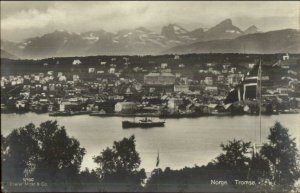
(10, 8)
(78, 16)
(31, 19)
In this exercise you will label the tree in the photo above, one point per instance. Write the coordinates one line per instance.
(235, 154)
(60, 156)
(277, 162)
(19, 152)
(120, 164)
(259, 169)
(88, 181)
(45, 153)
(87, 176)
(281, 151)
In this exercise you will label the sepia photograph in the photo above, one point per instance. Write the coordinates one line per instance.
(150, 96)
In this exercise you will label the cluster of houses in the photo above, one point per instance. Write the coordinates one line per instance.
(161, 91)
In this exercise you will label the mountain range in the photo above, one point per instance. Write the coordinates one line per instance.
(173, 38)
(281, 41)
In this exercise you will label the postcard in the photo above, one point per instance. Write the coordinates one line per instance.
(150, 96)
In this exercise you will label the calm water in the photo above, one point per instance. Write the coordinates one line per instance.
(182, 142)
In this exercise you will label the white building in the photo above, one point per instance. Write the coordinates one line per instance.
(234, 79)
(174, 103)
(59, 74)
(36, 78)
(251, 65)
(208, 80)
(233, 70)
(181, 88)
(177, 75)
(159, 79)
(20, 104)
(20, 81)
(221, 78)
(52, 87)
(75, 77)
(181, 65)
(76, 62)
(286, 57)
(212, 89)
(282, 90)
(50, 72)
(27, 77)
(125, 107)
(62, 78)
(164, 65)
(176, 57)
(91, 70)
(112, 70)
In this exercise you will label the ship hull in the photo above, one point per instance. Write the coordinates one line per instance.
(128, 124)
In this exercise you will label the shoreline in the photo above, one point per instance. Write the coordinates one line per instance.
(167, 116)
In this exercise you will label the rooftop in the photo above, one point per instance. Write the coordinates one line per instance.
(160, 74)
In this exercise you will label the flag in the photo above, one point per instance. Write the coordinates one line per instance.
(247, 89)
(157, 160)
(259, 80)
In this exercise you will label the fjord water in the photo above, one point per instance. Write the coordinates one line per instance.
(182, 142)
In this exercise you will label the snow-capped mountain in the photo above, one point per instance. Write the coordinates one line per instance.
(126, 42)
(280, 41)
(176, 32)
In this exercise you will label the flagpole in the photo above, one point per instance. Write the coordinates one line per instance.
(260, 98)
(157, 163)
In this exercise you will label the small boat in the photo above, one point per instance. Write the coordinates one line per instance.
(144, 123)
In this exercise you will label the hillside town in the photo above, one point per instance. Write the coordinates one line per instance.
(114, 86)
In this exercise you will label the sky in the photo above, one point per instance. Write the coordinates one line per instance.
(21, 20)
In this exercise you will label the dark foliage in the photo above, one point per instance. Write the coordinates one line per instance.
(45, 154)
(273, 169)
(282, 154)
(119, 166)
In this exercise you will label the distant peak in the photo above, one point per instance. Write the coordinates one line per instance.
(60, 31)
(143, 29)
(170, 25)
(225, 26)
(174, 27)
(173, 31)
(251, 29)
(226, 22)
